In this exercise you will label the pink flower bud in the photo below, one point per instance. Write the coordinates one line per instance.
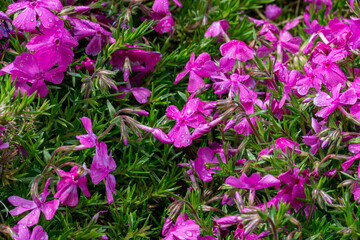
(161, 136)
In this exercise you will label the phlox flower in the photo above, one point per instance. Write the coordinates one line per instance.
(89, 140)
(26, 20)
(184, 229)
(294, 189)
(237, 49)
(285, 42)
(100, 169)
(194, 67)
(2, 144)
(56, 39)
(67, 187)
(322, 99)
(272, 11)
(354, 148)
(32, 70)
(36, 206)
(188, 117)
(141, 94)
(23, 233)
(206, 155)
(139, 60)
(330, 72)
(85, 28)
(268, 29)
(309, 81)
(162, 6)
(233, 86)
(252, 183)
(244, 127)
(217, 28)
(165, 24)
(313, 140)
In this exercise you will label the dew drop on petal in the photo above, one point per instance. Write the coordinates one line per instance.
(189, 233)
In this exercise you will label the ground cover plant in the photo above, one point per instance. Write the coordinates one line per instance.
(179, 120)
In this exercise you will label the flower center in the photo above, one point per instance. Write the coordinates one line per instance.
(297, 181)
(39, 76)
(33, 4)
(57, 41)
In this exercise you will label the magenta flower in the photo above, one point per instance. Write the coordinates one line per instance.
(101, 167)
(330, 72)
(237, 49)
(140, 60)
(188, 116)
(233, 86)
(27, 19)
(23, 233)
(285, 42)
(89, 140)
(184, 229)
(56, 39)
(268, 30)
(252, 183)
(350, 162)
(322, 99)
(84, 28)
(310, 81)
(165, 24)
(67, 187)
(294, 189)
(313, 140)
(356, 192)
(141, 94)
(217, 28)
(162, 6)
(35, 69)
(37, 205)
(194, 67)
(272, 11)
(205, 155)
(2, 144)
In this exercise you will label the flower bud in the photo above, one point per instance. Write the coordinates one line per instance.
(161, 136)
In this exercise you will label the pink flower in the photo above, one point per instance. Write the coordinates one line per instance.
(67, 187)
(206, 155)
(187, 117)
(330, 72)
(313, 140)
(162, 6)
(234, 86)
(141, 94)
(272, 11)
(89, 140)
(32, 70)
(84, 28)
(101, 167)
(217, 28)
(37, 205)
(140, 60)
(310, 81)
(252, 183)
(56, 39)
(194, 67)
(165, 24)
(27, 19)
(294, 189)
(23, 233)
(322, 99)
(184, 229)
(350, 162)
(237, 49)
